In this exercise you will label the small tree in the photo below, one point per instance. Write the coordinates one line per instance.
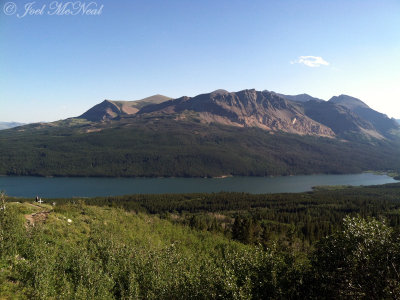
(362, 261)
(2, 202)
(2, 212)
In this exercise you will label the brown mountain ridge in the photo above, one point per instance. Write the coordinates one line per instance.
(110, 109)
(247, 108)
(342, 116)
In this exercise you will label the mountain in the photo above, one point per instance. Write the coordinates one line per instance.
(349, 102)
(342, 116)
(109, 109)
(348, 117)
(248, 108)
(398, 121)
(381, 123)
(247, 133)
(7, 125)
(341, 120)
(300, 98)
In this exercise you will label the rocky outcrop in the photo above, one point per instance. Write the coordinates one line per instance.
(247, 108)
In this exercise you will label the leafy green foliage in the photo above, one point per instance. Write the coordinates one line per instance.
(362, 261)
(113, 254)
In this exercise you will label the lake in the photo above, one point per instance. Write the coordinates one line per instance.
(66, 187)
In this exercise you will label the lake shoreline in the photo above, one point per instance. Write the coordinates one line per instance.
(68, 187)
(389, 173)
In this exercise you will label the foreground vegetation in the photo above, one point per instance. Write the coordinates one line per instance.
(164, 147)
(258, 219)
(205, 246)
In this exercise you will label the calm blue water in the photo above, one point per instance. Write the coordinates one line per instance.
(90, 187)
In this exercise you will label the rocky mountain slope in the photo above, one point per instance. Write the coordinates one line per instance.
(343, 116)
(248, 108)
(340, 119)
(380, 122)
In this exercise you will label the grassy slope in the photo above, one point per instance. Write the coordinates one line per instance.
(104, 252)
(169, 148)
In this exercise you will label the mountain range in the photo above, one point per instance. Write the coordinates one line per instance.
(219, 133)
(299, 114)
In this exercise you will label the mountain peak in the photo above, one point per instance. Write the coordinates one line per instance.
(110, 109)
(379, 121)
(102, 111)
(300, 97)
(220, 92)
(348, 101)
(157, 98)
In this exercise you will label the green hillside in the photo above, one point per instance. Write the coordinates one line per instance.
(83, 252)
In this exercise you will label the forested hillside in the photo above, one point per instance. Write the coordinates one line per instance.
(164, 147)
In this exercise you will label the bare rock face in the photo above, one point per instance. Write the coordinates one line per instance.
(247, 108)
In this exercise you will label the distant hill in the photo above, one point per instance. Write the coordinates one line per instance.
(7, 125)
(109, 109)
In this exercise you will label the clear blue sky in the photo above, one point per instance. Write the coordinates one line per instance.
(57, 66)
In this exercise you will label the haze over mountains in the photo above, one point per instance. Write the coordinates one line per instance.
(7, 125)
(256, 133)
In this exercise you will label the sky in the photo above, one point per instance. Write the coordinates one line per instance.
(59, 58)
